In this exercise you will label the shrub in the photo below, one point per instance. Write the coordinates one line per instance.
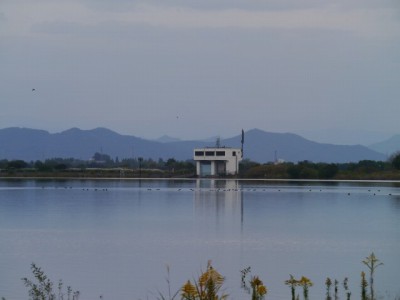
(42, 288)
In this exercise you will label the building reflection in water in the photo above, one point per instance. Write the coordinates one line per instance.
(219, 203)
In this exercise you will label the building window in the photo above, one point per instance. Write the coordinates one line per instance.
(199, 153)
(233, 153)
(220, 153)
(210, 153)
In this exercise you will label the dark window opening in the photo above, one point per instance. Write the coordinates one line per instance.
(210, 153)
(233, 153)
(220, 153)
(199, 153)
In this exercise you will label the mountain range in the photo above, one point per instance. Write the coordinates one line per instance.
(261, 146)
(388, 147)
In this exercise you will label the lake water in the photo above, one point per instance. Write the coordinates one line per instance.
(116, 237)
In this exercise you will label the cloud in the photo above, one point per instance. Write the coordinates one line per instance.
(255, 5)
(67, 16)
(365, 23)
(358, 21)
(205, 5)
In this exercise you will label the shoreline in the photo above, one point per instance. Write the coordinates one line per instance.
(198, 178)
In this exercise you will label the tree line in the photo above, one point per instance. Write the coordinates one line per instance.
(99, 161)
(364, 169)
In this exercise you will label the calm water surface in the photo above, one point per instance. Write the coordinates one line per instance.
(115, 237)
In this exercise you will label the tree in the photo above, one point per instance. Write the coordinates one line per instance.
(42, 167)
(294, 171)
(327, 171)
(171, 163)
(369, 166)
(60, 167)
(395, 160)
(3, 163)
(245, 165)
(17, 164)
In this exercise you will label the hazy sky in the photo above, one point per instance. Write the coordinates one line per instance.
(199, 68)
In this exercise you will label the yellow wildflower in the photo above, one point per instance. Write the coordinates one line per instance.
(211, 276)
(255, 281)
(305, 282)
(292, 281)
(262, 290)
(189, 291)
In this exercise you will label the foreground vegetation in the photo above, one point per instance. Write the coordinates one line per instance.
(208, 286)
(101, 165)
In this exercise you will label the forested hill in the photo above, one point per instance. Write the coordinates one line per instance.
(31, 145)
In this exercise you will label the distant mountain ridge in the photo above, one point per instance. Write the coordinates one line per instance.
(292, 147)
(261, 146)
(167, 139)
(389, 146)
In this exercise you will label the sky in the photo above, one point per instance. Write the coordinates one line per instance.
(191, 69)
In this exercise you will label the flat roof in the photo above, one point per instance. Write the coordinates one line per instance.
(216, 148)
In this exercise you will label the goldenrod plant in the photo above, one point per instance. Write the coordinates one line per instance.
(306, 283)
(372, 262)
(336, 289)
(328, 283)
(364, 285)
(292, 283)
(258, 289)
(207, 287)
(346, 288)
(189, 291)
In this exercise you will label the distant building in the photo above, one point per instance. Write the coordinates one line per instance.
(217, 161)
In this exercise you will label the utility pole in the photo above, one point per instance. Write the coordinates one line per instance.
(140, 166)
(242, 142)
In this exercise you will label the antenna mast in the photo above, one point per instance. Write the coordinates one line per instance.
(242, 142)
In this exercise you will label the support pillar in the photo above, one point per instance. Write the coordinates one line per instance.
(213, 172)
(198, 169)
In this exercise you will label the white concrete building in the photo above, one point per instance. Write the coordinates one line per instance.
(217, 161)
